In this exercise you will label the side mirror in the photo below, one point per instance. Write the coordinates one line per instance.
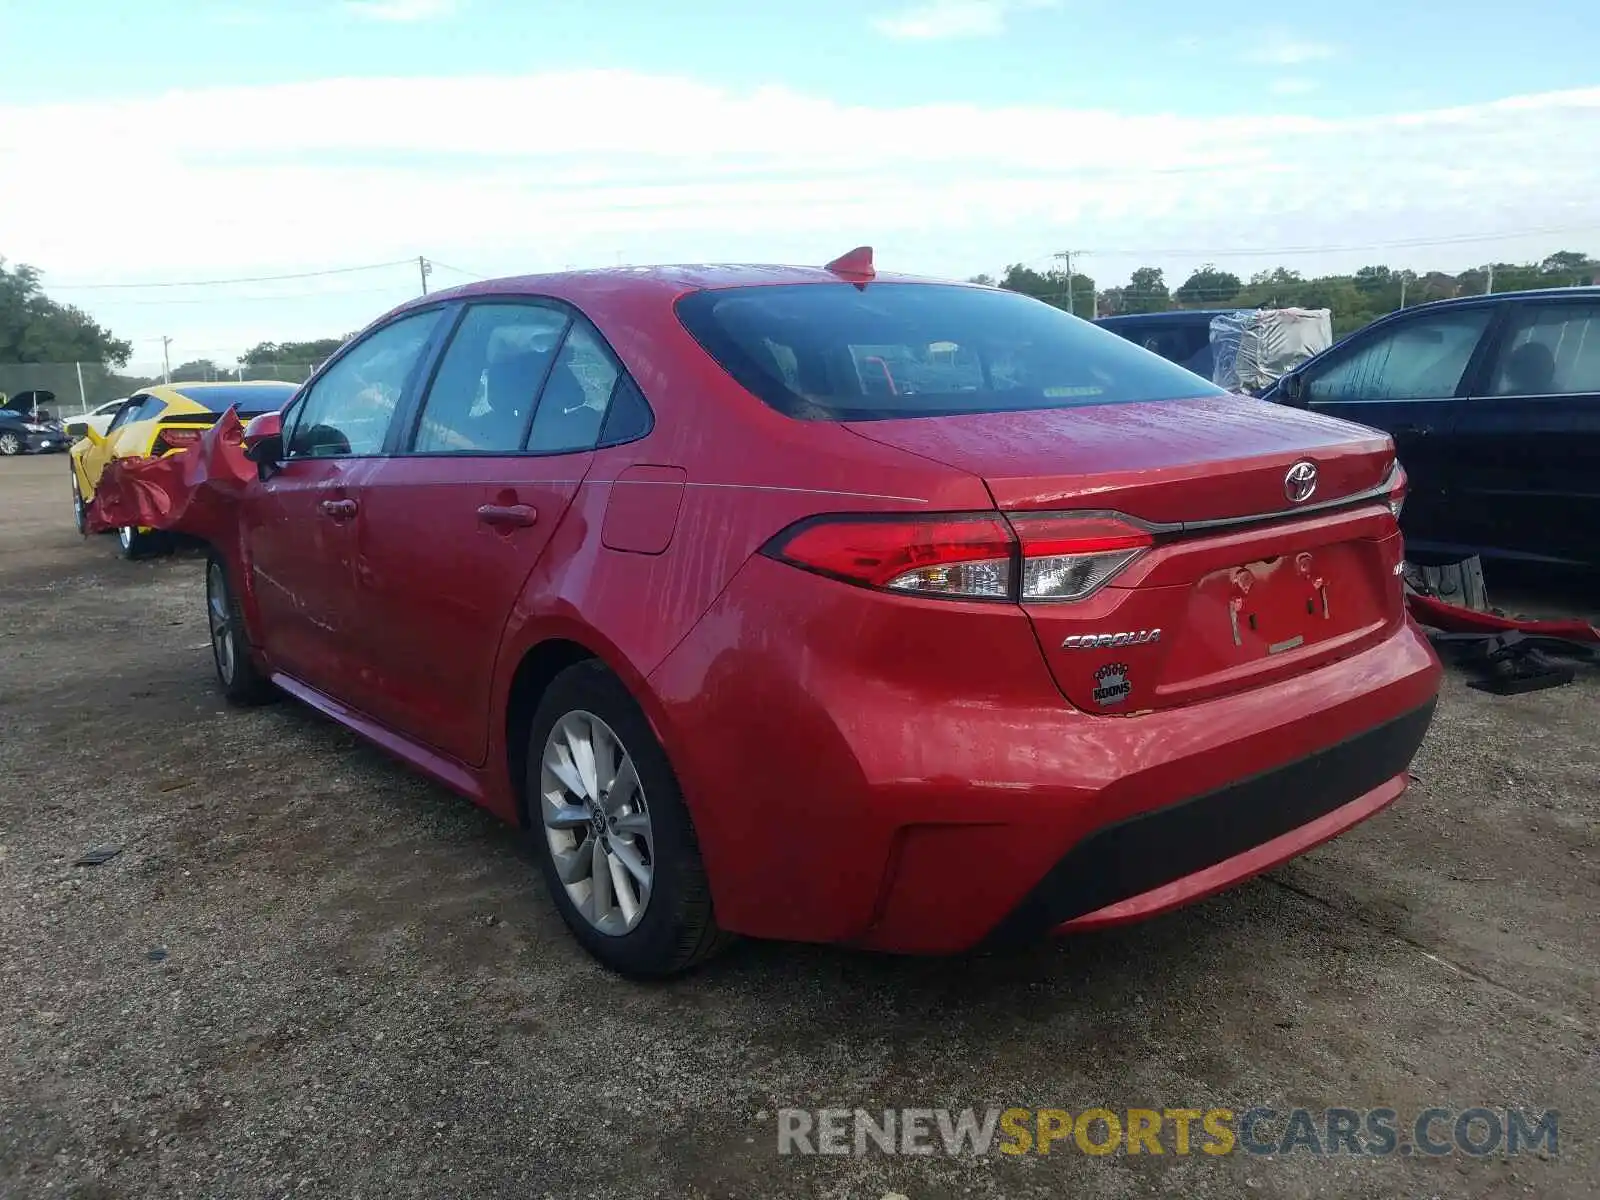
(77, 429)
(1292, 389)
(263, 439)
(96, 438)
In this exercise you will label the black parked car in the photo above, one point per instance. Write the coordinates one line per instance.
(1182, 335)
(25, 425)
(1494, 405)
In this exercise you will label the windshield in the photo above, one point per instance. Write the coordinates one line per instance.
(842, 353)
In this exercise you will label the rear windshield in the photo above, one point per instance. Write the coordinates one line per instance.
(256, 398)
(837, 352)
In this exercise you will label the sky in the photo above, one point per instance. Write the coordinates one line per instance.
(183, 141)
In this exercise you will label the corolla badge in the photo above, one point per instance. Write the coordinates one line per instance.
(1099, 641)
(1301, 481)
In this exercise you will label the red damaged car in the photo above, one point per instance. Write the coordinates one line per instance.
(831, 606)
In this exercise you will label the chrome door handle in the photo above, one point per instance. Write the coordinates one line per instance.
(339, 510)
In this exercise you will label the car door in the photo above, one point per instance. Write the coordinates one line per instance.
(1526, 443)
(1406, 376)
(454, 525)
(103, 448)
(300, 523)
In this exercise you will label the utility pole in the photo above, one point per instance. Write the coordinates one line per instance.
(1066, 256)
(166, 360)
(424, 268)
(1489, 286)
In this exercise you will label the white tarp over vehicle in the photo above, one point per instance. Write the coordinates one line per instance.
(1253, 347)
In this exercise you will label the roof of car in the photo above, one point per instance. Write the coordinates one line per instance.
(209, 395)
(1163, 315)
(214, 385)
(672, 280)
(1585, 292)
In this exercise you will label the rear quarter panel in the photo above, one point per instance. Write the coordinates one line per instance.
(748, 472)
(134, 439)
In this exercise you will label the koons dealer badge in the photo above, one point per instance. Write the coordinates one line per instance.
(1111, 684)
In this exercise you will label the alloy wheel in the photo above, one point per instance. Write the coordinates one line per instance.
(10, 444)
(219, 617)
(125, 536)
(597, 822)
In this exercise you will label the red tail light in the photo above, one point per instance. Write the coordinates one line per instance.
(177, 439)
(963, 555)
(970, 556)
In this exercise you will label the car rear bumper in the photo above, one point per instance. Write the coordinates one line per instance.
(1173, 855)
(858, 775)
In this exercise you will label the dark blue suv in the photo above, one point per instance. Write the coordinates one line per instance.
(1494, 405)
(1181, 335)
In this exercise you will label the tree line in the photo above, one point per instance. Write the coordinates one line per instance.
(35, 329)
(60, 343)
(1354, 299)
(264, 360)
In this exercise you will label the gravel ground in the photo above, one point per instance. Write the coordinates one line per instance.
(309, 973)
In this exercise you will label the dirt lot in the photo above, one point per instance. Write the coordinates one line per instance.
(310, 973)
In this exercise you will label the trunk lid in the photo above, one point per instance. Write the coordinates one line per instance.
(1212, 458)
(1243, 584)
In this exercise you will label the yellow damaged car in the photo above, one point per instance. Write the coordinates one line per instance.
(162, 419)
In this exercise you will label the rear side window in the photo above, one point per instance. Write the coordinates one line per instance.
(483, 394)
(573, 406)
(1552, 350)
(836, 352)
(128, 412)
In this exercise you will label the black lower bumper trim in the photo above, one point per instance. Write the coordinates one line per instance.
(1155, 848)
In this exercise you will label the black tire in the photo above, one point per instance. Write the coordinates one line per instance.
(677, 929)
(80, 510)
(240, 679)
(134, 543)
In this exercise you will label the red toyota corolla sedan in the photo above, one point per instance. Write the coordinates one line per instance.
(825, 605)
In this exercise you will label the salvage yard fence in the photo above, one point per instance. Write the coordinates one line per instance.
(78, 388)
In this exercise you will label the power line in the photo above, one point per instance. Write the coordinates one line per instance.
(457, 270)
(81, 287)
(390, 289)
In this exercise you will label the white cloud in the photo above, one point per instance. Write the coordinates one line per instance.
(1278, 48)
(258, 180)
(401, 10)
(937, 20)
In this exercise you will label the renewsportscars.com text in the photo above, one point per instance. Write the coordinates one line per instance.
(1372, 1132)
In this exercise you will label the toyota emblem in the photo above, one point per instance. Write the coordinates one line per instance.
(1300, 482)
